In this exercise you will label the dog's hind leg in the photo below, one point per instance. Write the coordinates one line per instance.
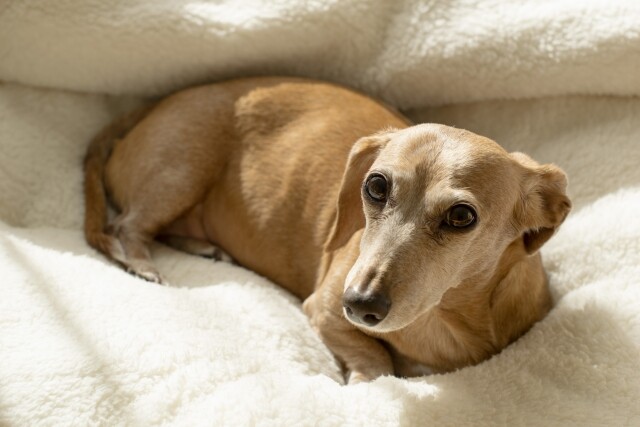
(135, 244)
(194, 246)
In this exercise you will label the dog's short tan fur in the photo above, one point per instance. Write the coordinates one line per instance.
(270, 170)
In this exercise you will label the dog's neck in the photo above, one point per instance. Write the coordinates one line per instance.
(476, 318)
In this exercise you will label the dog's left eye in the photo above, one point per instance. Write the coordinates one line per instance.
(376, 187)
(461, 216)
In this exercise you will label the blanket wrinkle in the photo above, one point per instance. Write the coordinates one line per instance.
(409, 52)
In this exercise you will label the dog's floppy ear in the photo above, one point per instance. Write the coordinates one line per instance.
(543, 204)
(350, 217)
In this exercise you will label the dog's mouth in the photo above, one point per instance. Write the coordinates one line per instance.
(371, 324)
(375, 326)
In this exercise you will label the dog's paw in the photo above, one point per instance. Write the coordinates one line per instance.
(358, 377)
(218, 254)
(150, 275)
(215, 253)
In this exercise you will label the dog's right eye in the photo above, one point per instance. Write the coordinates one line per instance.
(460, 216)
(376, 187)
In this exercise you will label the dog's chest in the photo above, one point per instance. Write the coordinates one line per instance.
(404, 366)
(430, 345)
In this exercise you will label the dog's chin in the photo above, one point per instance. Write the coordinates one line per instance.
(385, 326)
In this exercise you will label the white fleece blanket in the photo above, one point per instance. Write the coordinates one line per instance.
(84, 343)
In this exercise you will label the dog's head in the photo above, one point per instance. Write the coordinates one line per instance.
(439, 207)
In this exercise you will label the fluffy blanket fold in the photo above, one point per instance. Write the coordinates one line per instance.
(84, 343)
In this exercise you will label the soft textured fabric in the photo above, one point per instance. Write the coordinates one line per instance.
(84, 343)
(409, 52)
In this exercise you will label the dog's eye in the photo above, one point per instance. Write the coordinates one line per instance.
(376, 187)
(461, 216)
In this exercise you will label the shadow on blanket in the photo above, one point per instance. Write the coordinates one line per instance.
(82, 341)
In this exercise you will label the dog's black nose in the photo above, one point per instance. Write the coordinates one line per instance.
(368, 309)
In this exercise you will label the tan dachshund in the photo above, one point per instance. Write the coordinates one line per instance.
(412, 246)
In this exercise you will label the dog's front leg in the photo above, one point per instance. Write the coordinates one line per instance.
(364, 357)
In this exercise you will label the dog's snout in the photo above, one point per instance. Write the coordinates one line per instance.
(366, 308)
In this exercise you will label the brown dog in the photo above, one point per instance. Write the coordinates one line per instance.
(411, 246)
